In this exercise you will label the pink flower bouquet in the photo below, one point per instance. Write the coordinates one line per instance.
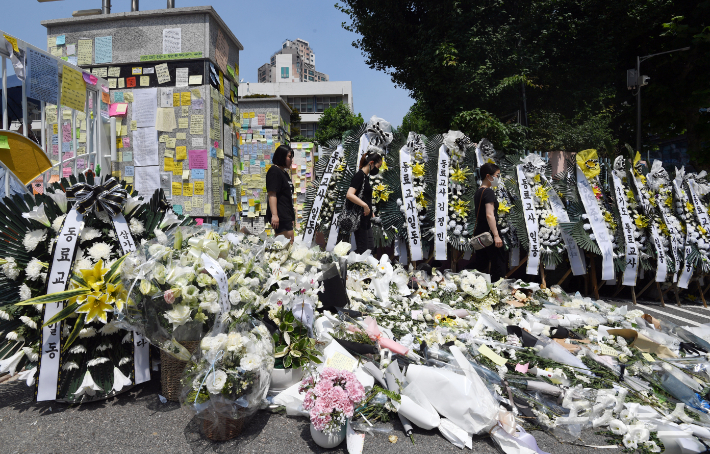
(331, 398)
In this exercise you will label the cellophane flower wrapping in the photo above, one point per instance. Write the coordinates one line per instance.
(229, 375)
(173, 298)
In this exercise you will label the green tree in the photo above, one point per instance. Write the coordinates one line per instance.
(478, 124)
(295, 120)
(415, 120)
(335, 121)
(567, 56)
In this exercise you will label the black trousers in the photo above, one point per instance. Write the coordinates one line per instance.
(493, 256)
(364, 240)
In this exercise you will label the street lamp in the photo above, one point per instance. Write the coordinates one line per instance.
(634, 78)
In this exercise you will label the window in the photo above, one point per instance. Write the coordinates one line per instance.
(310, 73)
(284, 72)
(323, 102)
(308, 129)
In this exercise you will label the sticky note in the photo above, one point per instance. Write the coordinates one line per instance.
(181, 153)
(196, 93)
(182, 123)
(176, 99)
(177, 168)
(131, 82)
(128, 171)
(198, 174)
(136, 71)
(198, 159)
(199, 188)
(177, 189)
(490, 354)
(126, 142)
(177, 209)
(186, 98)
(127, 156)
(134, 125)
(145, 81)
(187, 189)
(181, 136)
(168, 164)
(170, 142)
(4, 143)
(195, 80)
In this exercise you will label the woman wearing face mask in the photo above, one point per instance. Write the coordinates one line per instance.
(486, 206)
(370, 164)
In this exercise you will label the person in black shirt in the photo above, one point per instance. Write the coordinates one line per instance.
(370, 164)
(486, 206)
(279, 188)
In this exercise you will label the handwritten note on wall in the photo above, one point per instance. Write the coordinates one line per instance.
(104, 49)
(172, 40)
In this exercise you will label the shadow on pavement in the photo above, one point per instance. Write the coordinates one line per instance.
(199, 444)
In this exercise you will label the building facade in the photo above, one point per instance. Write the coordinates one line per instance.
(294, 62)
(310, 100)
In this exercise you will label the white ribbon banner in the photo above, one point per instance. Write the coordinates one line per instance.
(141, 346)
(661, 266)
(411, 216)
(57, 281)
(676, 243)
(441, 214)
(333, 234)
(216, 271)
(700, 210)
(687, 271)
(479, 156)
(314, 214)
(627, 225)
(364, 143)
(530, 222)
(589, 200)
(576, 258)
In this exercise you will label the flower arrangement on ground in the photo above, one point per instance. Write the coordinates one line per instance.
(331, 398)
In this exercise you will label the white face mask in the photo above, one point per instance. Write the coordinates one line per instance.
(495, 182)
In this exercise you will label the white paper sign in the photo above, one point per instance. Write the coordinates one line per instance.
(441, 213)
(181, 76)
(228, 171)
(526, 195)
(172, 40)
(627, 225)
(42, 77)
(313, 216)
(166, 97)
(57, 281)
(145, 106)
(147, 179)
(589, 200)
(411, 216)
(145, 147)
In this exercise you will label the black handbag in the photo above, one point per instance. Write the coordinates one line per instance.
(350, 218)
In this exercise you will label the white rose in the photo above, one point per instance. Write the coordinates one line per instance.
(342, 249)
(215, 381)
(178, 316)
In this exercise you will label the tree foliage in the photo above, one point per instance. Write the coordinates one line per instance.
(335, 121)
(570, 57)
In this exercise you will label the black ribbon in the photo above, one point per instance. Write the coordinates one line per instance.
(109, 196)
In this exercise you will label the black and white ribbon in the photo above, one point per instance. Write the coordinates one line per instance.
(441, 211)
(627, 226)
(321, 194)
(531, 222)
(411, 216)
(109, 196)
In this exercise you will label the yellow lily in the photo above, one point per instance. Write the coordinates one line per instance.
(541, 193)
(96, 307)
(503, 207)
(421, 200)
(459, 175)
(551, 221)
(689, 206)
(94, 277)
(461, 208)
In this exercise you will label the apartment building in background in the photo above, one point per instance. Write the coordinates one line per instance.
(311, 99)
(294, 62)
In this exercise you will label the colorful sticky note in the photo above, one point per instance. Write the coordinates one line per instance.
(199, 187)
(4, 143)
(128, 171)
(130, 82)
(118, 109)
(198, 159)
(187, 189)
(181, 153)
(177, 189)
(198, 174)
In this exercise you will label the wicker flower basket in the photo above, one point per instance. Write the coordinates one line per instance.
(222, 428)
(171, 371)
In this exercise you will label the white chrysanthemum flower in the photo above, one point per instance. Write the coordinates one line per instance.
(11, 269)
(100, 251)
(103, 347)
(34, 269)
(109, 328)
(13, 336)
(96, 361)
(57, 224)
(127, 339)
(33, 238)
(83, 263)
(160, 236)
(4, 315)
(28, 321)
(25, 292)
(124, 360)
(89, 234)
(136, 227)
(77, 349)
(70, 365)
(31, 355)
(87, 332)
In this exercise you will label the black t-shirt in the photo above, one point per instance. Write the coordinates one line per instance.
(489, 196)
(356, 183)
(279, 181)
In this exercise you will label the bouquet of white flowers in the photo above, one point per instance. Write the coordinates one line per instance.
(226, 381)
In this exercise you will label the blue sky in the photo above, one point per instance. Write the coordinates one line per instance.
(261, 28)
